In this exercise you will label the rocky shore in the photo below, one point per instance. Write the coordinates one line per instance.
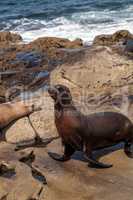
(100, 77)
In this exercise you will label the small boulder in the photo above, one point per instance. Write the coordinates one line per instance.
(129, 46)
(112, 39)
(7, 37)
(53, 42)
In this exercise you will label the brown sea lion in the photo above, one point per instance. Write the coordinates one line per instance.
(91, 132)
(10, 112)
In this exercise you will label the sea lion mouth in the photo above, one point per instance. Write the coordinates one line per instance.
(53, 92)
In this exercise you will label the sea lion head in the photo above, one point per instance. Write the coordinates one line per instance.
(61, 95)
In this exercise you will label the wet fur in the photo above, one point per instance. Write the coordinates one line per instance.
(94, 131)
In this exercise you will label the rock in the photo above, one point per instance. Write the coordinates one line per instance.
(4, 188)
(24, 182)
(6, 169)
(21, 64)
(113, 39)
(99, 80)
(20, 71)
(23, 133)
(2, 99)
(32, 59)
(52, 42)
(96, 79)
(8, 37)
(129, 46)
(73, 179)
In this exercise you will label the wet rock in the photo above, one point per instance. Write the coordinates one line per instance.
(129, 46)
(113, 39)
(38, 175)
(22, 64)
(31, 59)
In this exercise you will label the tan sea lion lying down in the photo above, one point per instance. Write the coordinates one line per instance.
(10, 112)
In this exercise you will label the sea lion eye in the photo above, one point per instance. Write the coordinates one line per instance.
(62, 89)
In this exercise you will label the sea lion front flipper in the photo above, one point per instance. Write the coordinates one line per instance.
(58, 157)
(92, 161)
(98, 164)
(68, 152)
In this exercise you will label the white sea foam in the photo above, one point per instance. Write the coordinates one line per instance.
(85, 25)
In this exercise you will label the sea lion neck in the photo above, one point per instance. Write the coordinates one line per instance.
(61, 111)
(60, 107)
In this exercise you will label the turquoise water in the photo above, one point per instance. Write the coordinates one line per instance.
(65, 18)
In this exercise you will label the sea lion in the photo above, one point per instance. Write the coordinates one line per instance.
(89, 132)
(10, 112)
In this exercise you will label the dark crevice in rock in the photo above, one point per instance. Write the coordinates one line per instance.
(28, 160)
(32, 59)
(6, 170)
(38, 195)
(39, 176)
(4, 197)
(37, 143)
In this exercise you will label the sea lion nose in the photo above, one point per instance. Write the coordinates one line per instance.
(50, 90)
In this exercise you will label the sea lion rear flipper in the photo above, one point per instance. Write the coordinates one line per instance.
(98, 164)
(58, 157)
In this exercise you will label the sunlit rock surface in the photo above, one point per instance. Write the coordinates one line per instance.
(99, 78)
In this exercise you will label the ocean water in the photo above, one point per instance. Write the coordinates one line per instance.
(65, 18)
